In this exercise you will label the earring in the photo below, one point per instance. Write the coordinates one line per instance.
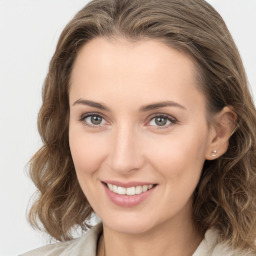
(214, 153)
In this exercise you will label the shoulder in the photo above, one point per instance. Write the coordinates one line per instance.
(211, 246)
(85, 244)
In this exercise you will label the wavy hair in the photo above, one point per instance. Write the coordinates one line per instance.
(225, 197)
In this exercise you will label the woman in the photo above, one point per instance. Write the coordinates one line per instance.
(147, 120)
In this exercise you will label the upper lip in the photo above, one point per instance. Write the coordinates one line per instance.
(127, 184)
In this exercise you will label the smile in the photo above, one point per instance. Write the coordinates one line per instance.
(128, 194)
(130, 191)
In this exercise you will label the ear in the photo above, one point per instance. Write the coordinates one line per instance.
(222, 128)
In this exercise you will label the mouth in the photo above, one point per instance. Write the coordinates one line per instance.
(129, 191)
(128, 194)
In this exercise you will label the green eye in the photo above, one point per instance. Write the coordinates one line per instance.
(95, 120)
(92, 120)
(162, 121)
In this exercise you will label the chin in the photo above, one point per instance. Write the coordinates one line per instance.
(129, 224)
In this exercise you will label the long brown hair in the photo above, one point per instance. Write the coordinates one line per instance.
(225, 196)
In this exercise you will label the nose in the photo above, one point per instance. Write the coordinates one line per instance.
(125, 154)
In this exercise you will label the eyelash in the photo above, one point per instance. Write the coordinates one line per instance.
(171, 119)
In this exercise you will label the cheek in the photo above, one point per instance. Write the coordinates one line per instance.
(179, 154)
(87, 151)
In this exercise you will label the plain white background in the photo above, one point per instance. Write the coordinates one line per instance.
(29, 30)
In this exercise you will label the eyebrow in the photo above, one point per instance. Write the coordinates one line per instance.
(142, 108)
(91, 104)
(161, 105)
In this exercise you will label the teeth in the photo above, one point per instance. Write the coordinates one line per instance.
(110, 187)
(138, 190)
(115, 188)
(129, 191)
(121, 191)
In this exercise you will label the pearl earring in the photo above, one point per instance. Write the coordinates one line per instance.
(214, 152)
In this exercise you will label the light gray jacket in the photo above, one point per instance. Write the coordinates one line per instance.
(87, 246)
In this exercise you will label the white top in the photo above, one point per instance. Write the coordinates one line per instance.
(87, 245)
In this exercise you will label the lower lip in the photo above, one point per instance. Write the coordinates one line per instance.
(127, 201)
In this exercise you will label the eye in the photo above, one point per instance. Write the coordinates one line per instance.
(92, 120)
(162, 121)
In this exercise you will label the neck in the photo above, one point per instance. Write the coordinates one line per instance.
(170, 238)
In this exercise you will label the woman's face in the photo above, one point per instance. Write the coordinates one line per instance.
(138, 132)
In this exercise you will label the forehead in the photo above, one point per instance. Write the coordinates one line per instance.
(143, 56)
(118, 68)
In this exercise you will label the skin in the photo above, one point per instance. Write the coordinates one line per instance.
(130, 145)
